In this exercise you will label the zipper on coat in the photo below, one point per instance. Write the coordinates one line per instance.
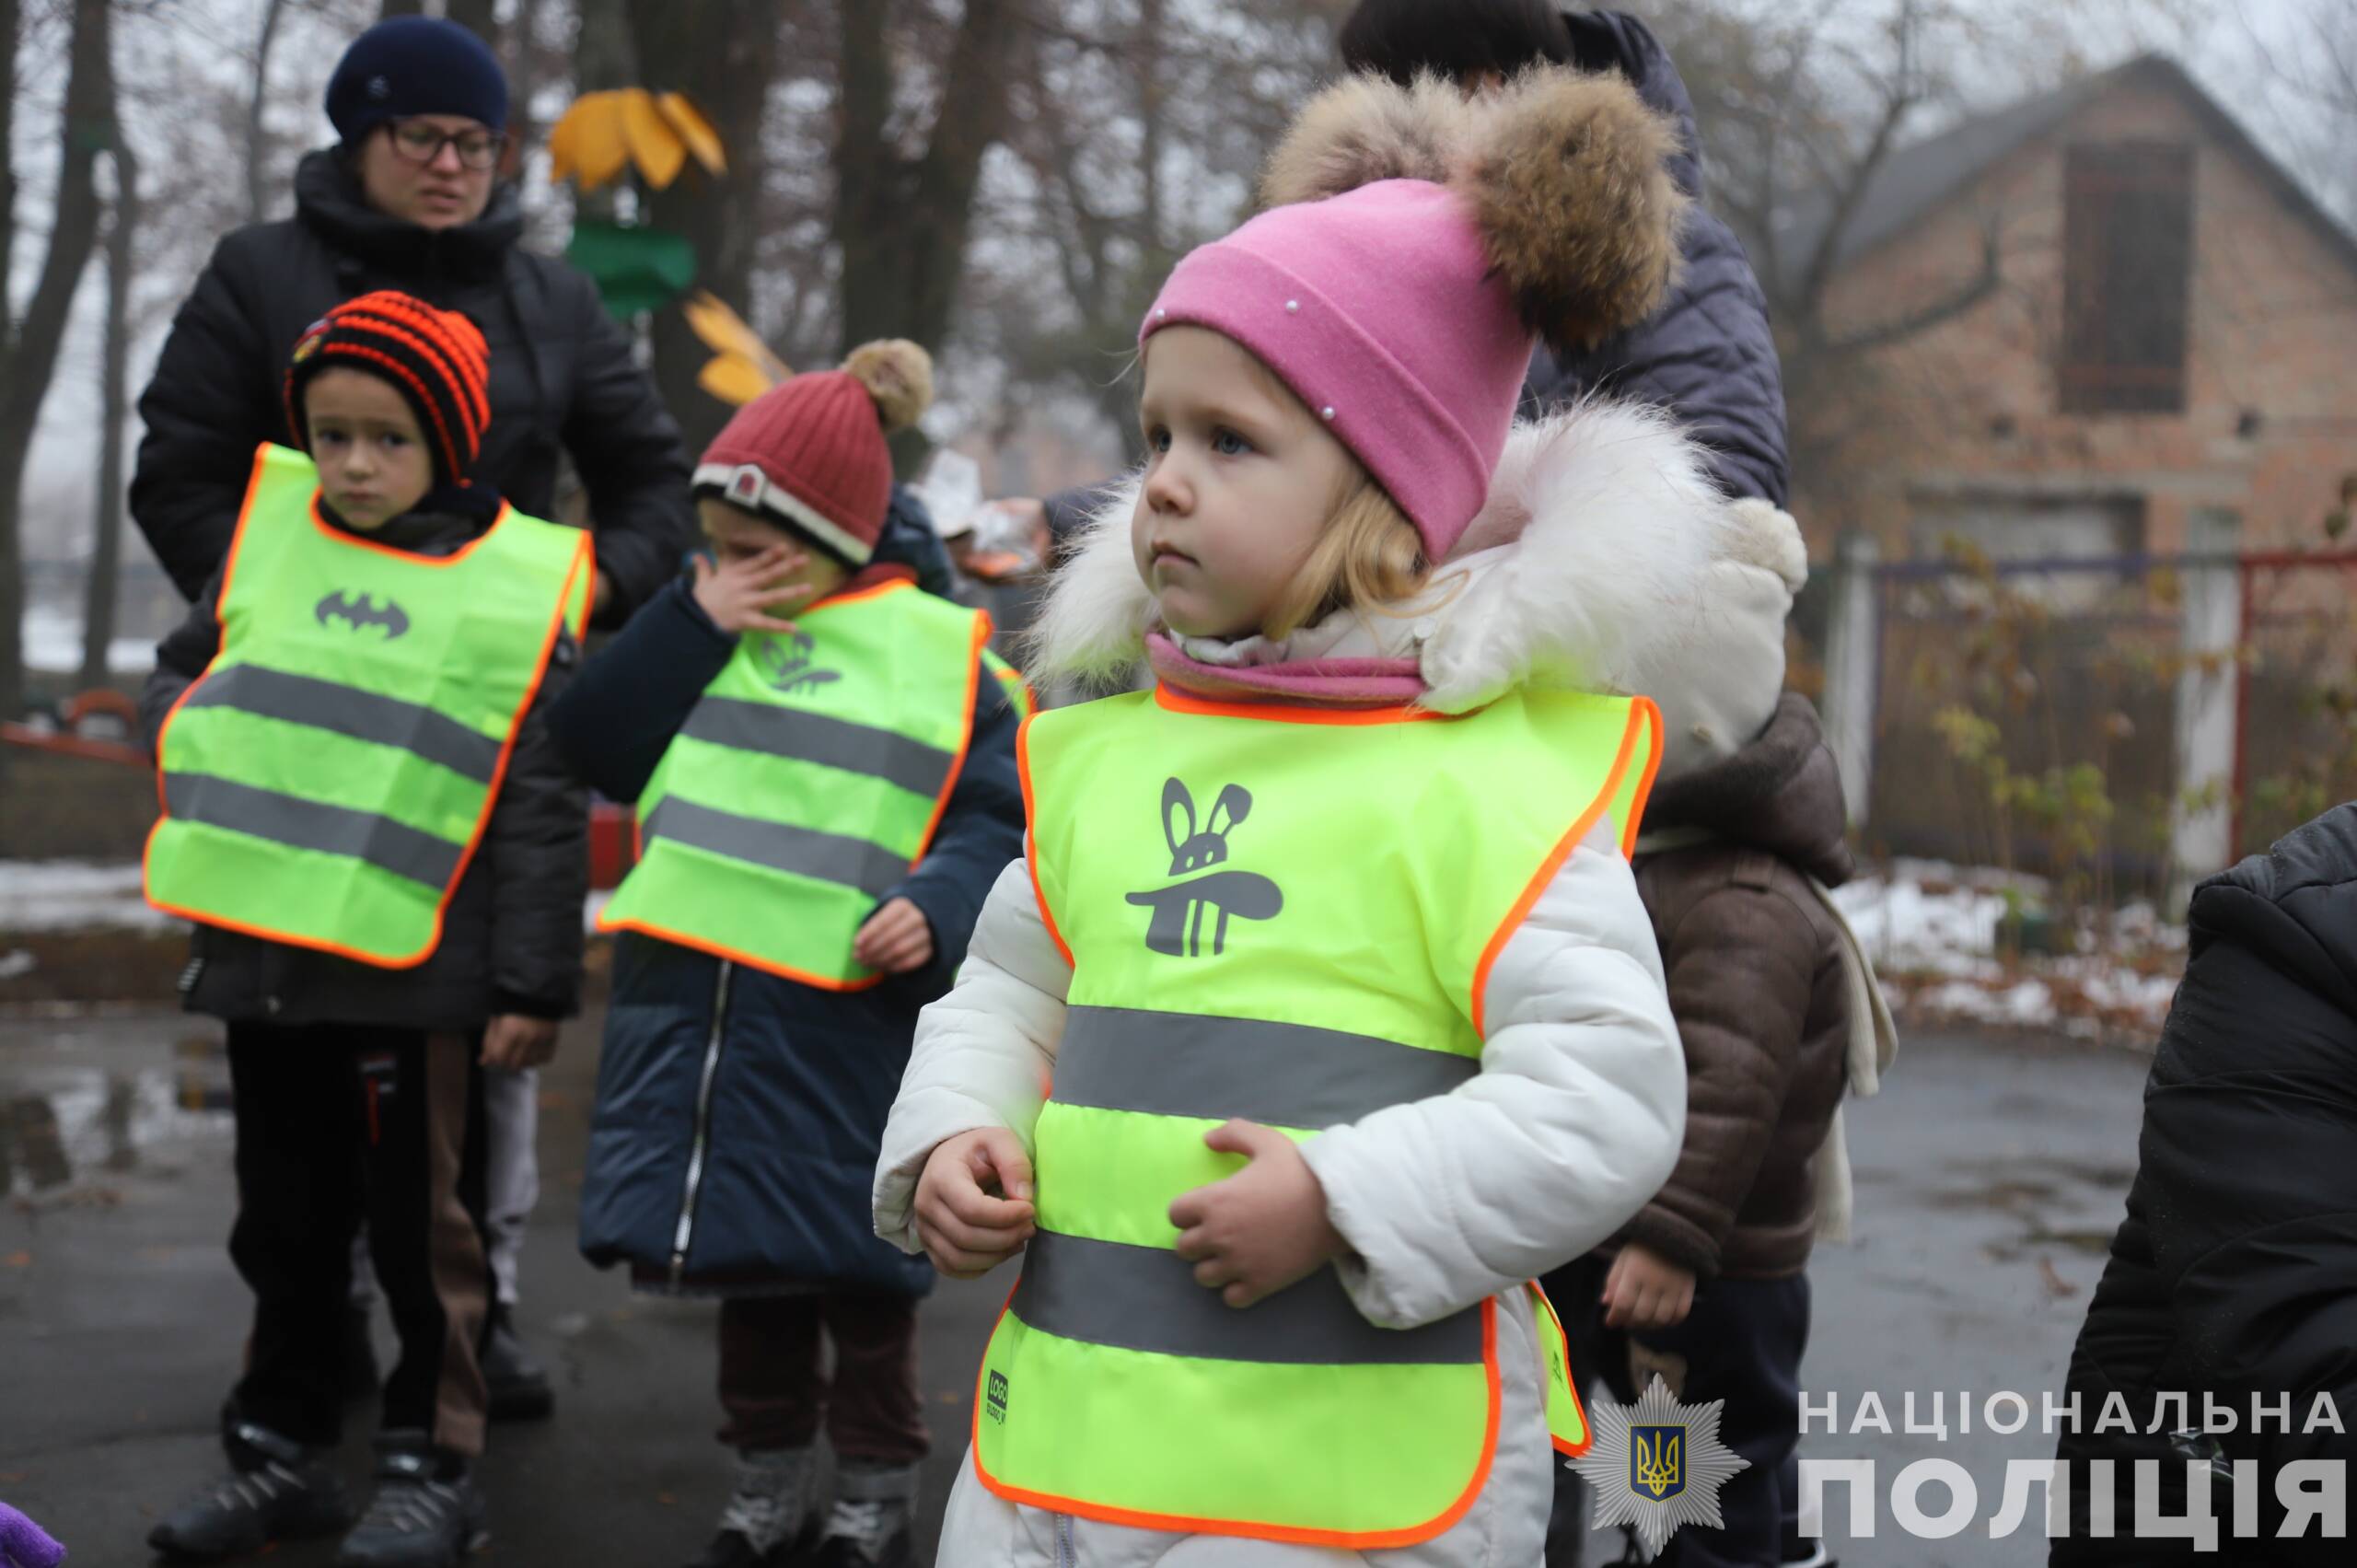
(1066, 1557)
(685, 1231)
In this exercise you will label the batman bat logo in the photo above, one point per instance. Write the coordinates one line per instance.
(361, 610)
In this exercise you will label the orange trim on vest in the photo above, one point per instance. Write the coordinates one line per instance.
(982, 628)
(1652, 713)
(1032, 839)
(1363, 1540)
(1172, 699)
(1545, 1310)
(721, 950)
(491, 794)
(1642, 713)
(361, 541)
(981, 637)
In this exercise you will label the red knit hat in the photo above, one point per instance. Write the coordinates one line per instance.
(808, 454)
(435, 359)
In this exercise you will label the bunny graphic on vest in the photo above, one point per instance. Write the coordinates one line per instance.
(1179, 909)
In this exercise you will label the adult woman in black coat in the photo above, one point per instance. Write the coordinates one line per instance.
(410, 200)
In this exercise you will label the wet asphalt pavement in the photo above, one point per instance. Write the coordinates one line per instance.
(1989, 1176)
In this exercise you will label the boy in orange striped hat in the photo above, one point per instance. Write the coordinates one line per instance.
(384, 858)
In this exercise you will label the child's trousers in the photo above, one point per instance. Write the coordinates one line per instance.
(336, 1124)
(1741, 1343)
(778, 1395)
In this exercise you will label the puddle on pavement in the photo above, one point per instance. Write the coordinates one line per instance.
(2050, 1199)
(66, 1122)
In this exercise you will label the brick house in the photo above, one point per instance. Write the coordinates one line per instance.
(2161, 320)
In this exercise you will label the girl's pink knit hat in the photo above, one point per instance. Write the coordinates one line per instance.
(1415, 246)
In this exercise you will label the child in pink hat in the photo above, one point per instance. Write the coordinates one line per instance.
(1323, 1015)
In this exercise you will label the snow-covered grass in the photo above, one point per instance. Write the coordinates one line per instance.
(1931, 930)
(52, 643)
(69, 895)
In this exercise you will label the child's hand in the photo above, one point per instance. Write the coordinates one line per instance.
(739, 596)
(1645, 1290)
(897, 939)
(515, 1042)
(973, 1208)
(1261, 1229)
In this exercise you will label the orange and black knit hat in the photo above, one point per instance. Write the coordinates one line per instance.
(437, 359)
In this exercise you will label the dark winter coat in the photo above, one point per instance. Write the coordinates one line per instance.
(511, 936)
(1756, 981)
(562, 377)
(2234, 1272)
(801, 1079)
(1707, 354)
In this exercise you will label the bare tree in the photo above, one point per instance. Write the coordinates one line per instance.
(28, 345)
(479, 17)
(257, 163)
(106, 548)
(677, 44)
(902, 214)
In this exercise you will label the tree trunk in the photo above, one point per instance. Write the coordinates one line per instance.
(106, 547)
(901, 223)
(401, 9)
(603, 59)
(257, 174)
(678, 43)
(29, 354)
(479, 16)
(522, 59)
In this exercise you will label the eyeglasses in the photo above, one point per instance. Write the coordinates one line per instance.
(421, 141)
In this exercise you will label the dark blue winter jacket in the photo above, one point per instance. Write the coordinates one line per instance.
(1706, 354)
(782, 1089)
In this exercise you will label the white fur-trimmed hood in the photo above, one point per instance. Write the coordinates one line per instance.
(1585, 569)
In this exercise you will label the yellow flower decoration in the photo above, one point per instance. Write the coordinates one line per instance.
(745, 368)
(603, 133)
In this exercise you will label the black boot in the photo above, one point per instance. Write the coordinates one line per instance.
(277, 1489)
(518, 1383)
(360, 1377)
(428, 1512)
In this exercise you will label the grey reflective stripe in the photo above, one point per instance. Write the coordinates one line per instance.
(800, 736)
(310, 824)
(1280, 1074)
(805, 852)
(1146, 1298)
(364, 715)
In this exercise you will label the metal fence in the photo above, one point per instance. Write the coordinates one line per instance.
(2122, 723)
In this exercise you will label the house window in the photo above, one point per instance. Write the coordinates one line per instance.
(2127, 248)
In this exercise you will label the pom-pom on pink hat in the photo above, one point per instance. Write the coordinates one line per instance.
(1416, 245)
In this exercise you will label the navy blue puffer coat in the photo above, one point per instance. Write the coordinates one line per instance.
(734, 1138)
(1707, 354)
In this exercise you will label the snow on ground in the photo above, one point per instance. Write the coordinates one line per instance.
(70, 895)
(53, 642)
(1931, 930)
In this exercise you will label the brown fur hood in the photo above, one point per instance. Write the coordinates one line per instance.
(1781, 794)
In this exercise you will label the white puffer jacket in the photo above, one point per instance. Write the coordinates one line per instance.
(1578, 574)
